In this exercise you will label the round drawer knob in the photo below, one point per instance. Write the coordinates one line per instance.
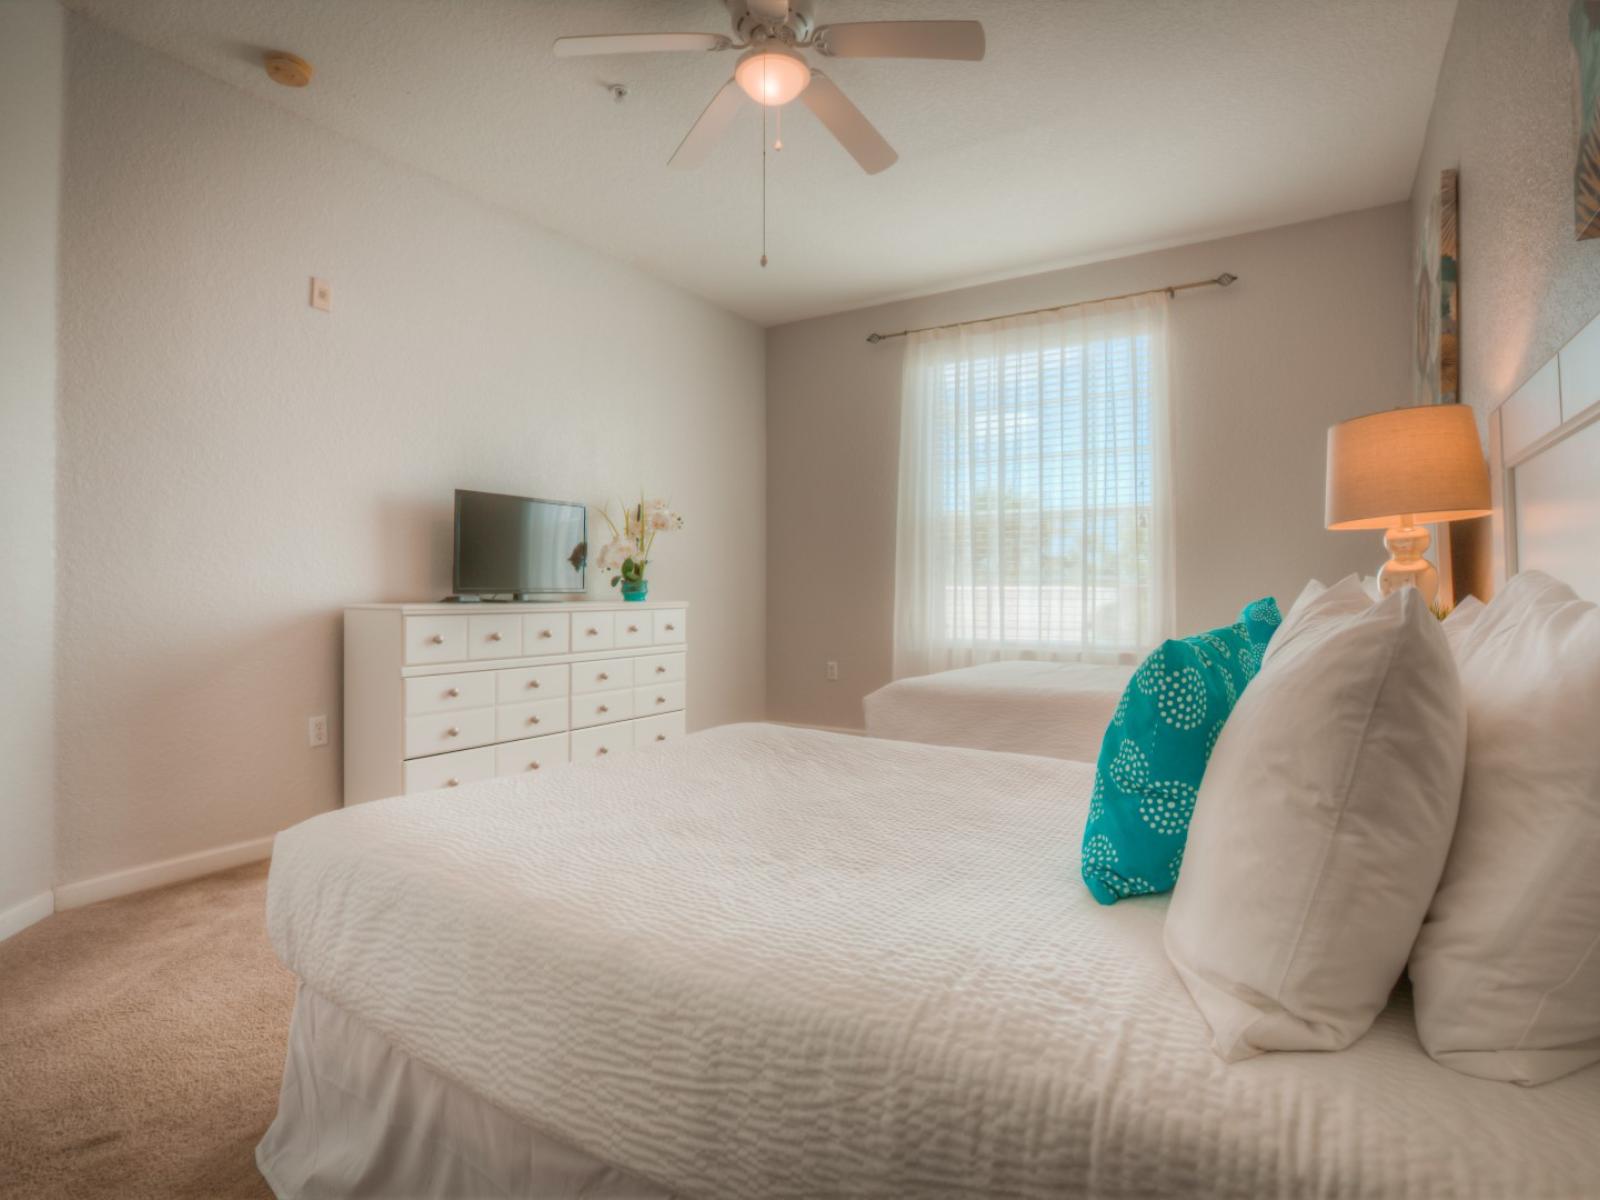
(661, 737)
(600, 751)
(533, 766)
(633, 629)
(437, 639)
(452, 732)
(453, 693)
(602, 677)
(602, 708)
(661, 670)
(494, 637)
(661, 699)
(544, 633)
(533, 683)
(452, 782)
(533, 720)
(670, 628)
(592, 632)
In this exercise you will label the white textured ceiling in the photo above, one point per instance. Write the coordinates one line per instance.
(1093, 128)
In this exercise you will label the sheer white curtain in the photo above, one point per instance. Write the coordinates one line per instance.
(1035, 516)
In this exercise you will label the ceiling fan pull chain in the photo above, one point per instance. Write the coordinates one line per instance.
(777, 118)
(763, 173)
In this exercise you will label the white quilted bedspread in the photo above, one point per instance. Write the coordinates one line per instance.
(1060, 710)
(765, 962)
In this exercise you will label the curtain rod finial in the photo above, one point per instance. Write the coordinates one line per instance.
(1225, 279)
(874, 338)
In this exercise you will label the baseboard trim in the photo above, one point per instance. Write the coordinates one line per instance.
(19, 916)
(159, 874)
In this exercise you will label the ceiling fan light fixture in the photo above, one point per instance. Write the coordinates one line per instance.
(772, 75)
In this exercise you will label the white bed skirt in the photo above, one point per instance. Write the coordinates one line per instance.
(359, 1118)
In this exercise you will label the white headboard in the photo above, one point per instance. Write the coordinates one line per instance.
(1544, 451)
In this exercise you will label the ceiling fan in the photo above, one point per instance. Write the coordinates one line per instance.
(772, 71)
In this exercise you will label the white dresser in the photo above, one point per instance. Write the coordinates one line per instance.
(437, 695)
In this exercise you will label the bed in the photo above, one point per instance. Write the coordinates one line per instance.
(1059, 710)
(774, 962)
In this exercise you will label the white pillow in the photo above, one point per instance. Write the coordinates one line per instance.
(1461, 618)
(1321, 826)
(1315, 608)
(1506, 972)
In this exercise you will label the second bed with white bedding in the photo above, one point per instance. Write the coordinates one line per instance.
(1059, 710)
(772, 962)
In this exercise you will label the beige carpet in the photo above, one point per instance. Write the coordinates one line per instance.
(141, 1045)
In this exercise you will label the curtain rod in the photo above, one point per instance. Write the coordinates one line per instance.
(1222, 280)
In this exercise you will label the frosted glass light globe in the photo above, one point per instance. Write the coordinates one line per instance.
(772, 75)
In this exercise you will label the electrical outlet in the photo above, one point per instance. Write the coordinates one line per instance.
(321, 294)
(317, 731)
(832, 673)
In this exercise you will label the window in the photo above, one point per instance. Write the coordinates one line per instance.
(1033, 476)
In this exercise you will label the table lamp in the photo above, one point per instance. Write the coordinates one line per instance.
(1401, 470)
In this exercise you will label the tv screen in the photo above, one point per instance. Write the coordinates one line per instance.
(518, 545)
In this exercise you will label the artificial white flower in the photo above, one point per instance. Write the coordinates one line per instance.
(616, 552)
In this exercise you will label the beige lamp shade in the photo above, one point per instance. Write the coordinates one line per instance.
(1425, 463)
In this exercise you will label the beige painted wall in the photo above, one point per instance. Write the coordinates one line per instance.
(30, 181)
(236, 466)
(1504, 116)
(1317, 329)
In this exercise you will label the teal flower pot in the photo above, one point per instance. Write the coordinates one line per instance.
(635, 589)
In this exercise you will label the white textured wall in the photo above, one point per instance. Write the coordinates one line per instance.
(1503, 115)
(1317, 330)
(236, 466)
(30, 178)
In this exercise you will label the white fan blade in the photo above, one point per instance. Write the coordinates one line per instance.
(703, 134)
(845, 122)
(902, 39)
(638, 43)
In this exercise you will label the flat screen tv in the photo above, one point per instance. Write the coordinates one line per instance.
(519, 546)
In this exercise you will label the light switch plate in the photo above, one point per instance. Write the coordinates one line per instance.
(321, 294)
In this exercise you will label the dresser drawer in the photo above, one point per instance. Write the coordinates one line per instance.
(449, 693)
(546, 633)
(657, 698)
(531, 719)
(633, 629)
(657, 668)
(435, 639)
(449, 770)
(670, 626)
(593, 631)
(608, 740)
(495, 635)
(435, 733)
(530, 683)
(531, 754)
(596, 708)
(602, 675)
(665, 728)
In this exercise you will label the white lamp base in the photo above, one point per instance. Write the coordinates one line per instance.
(1406, 566)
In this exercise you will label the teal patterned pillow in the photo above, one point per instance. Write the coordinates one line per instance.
(1155, 753)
